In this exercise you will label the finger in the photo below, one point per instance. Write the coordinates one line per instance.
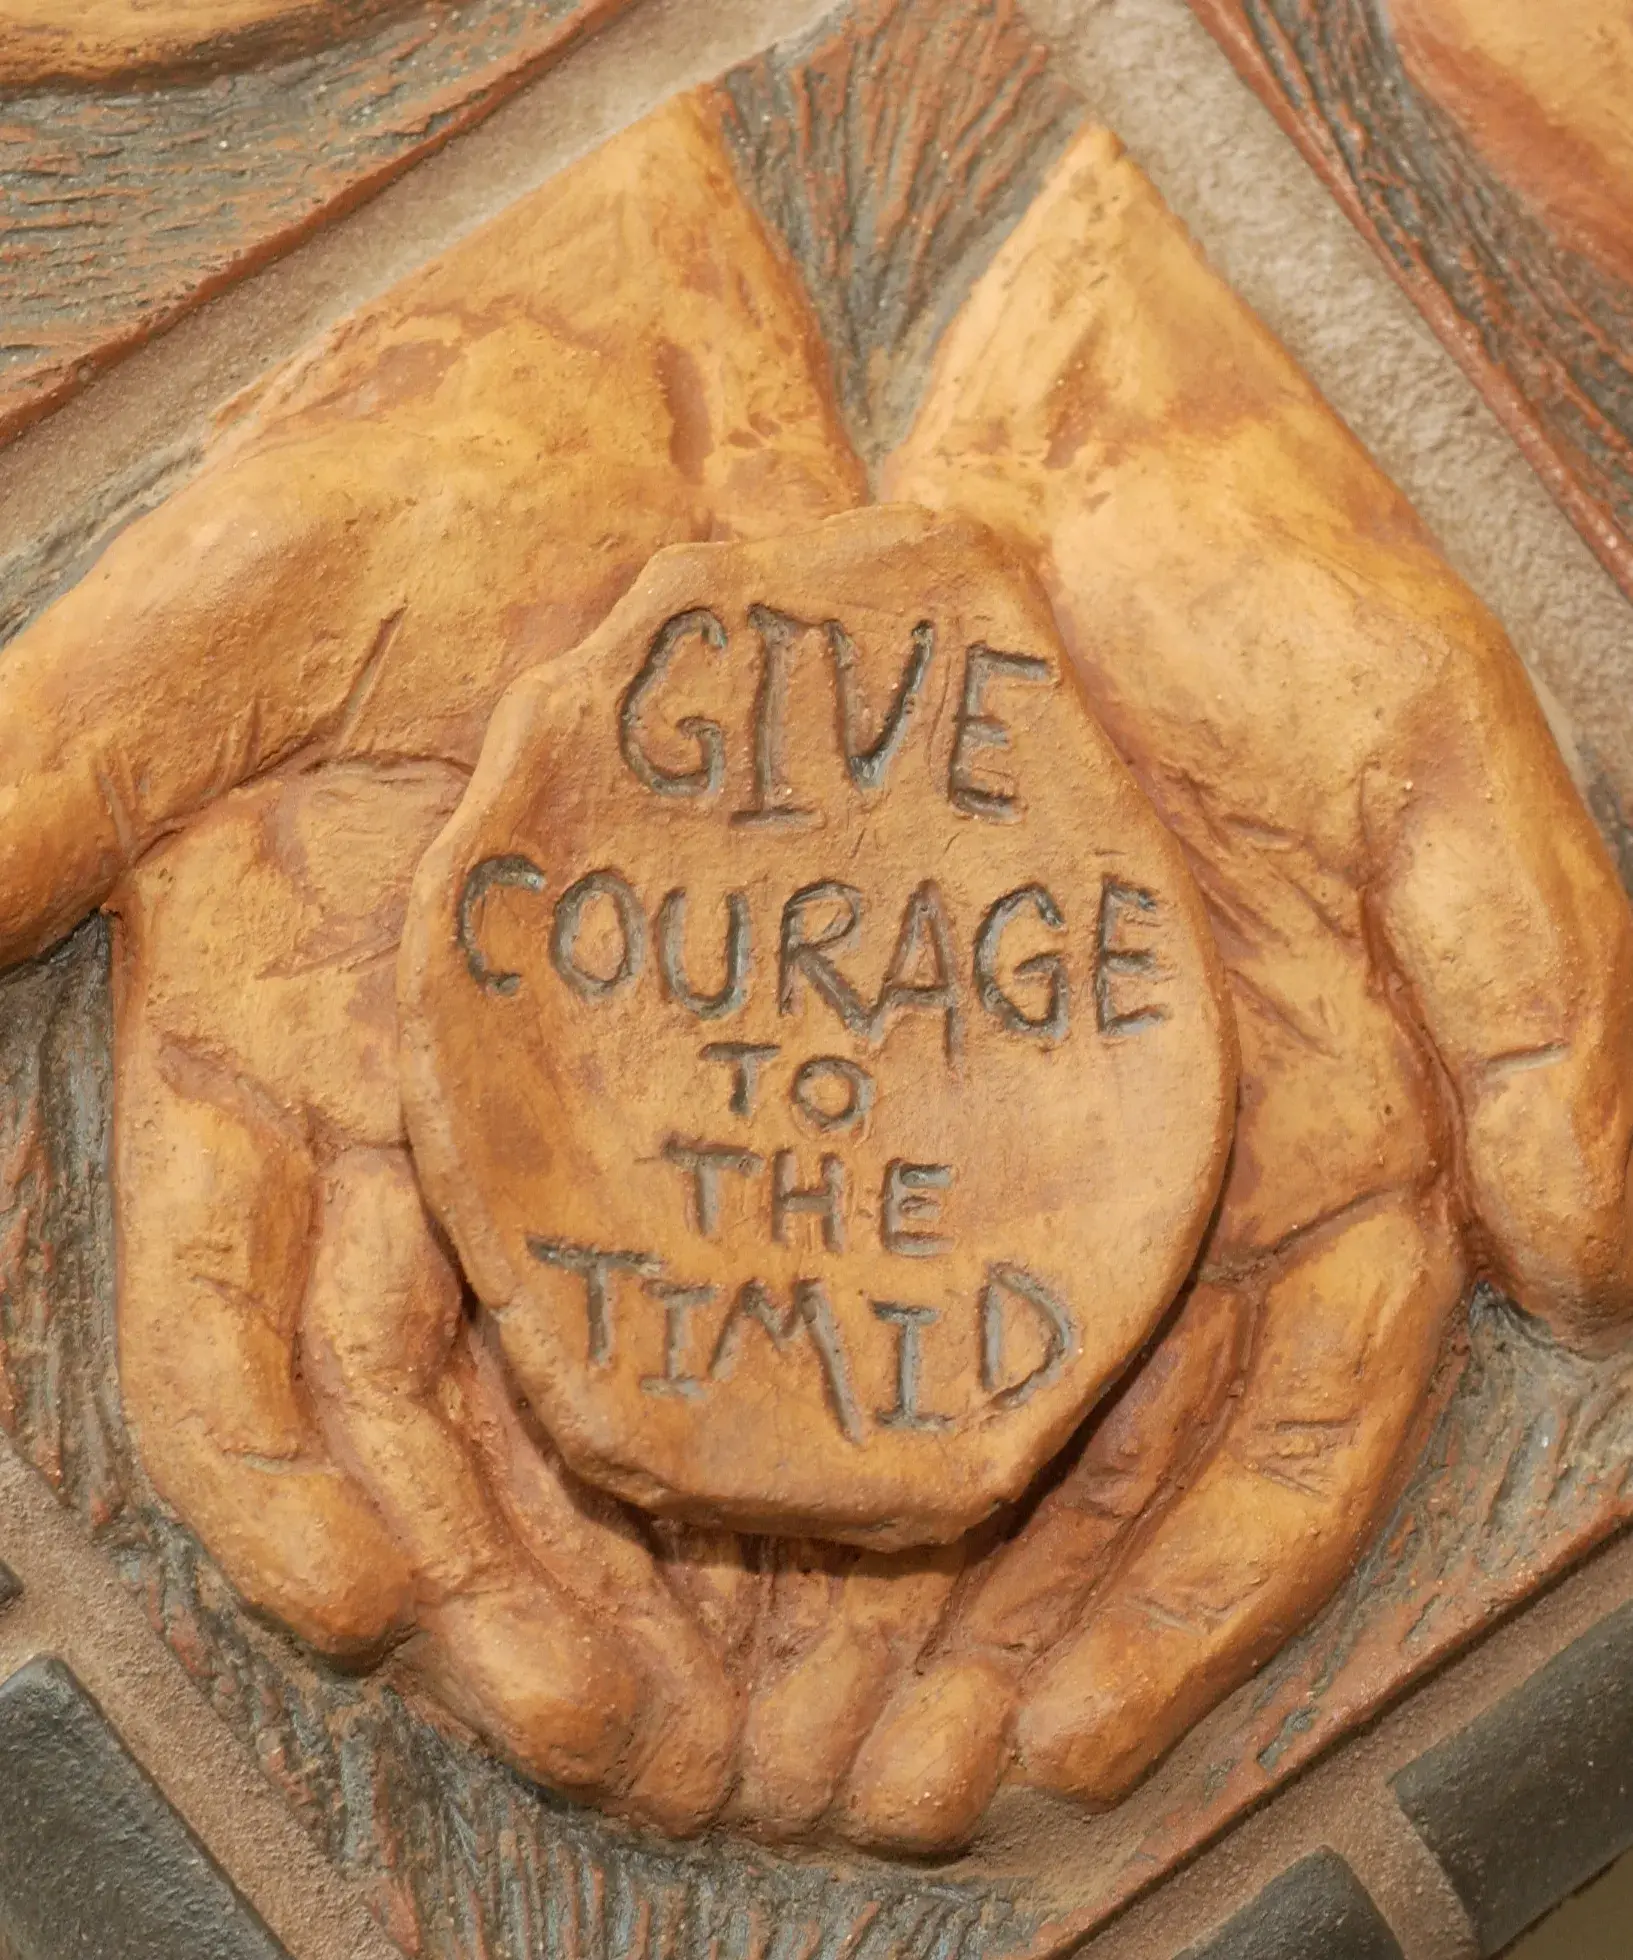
(931, 1764)
(459, 485)
(1349, 1334)
(722, 1577)
(504, 1648)
(677, 1768)
(1143, 1445)
(254, 995)
(201, 647)
(842, 1623)
(381, 1309)
(1337, 1099)
(1505, 915)
(214, 1202)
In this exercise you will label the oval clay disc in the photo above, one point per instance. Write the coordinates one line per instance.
(813, 1042)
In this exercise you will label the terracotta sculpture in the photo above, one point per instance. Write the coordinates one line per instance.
(246, 727)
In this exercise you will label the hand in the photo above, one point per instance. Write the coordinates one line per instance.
(459, 486)
(1430, 958)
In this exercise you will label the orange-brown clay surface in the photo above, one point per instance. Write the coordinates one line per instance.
(813, 1043)
(97, 40)
(247, 724)
(1546, 94)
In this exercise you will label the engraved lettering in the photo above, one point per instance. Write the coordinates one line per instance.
(1051, 1310)
(677, 1303)
(869, 767)
(707, 777)
(825, 1200)
(810, 1310)
(779, 636)
(858, 1088)
(977, 730)
(832, 819)
(745, 1060)
(924, 928)
(1051, 1024)
(479, 881)
(672, 957)
(1116, 899)
(569, 918)
(909, 1323)
(801, 953)
(595, 1267)
(706, 1164)
(912, 1192)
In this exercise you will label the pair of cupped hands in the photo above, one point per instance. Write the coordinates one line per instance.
(241, 729)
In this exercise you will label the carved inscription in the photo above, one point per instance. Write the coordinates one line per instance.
(851, 1082)
(818, 926)
(928, 970)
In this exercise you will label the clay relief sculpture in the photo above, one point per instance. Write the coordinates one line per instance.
(814, 1139)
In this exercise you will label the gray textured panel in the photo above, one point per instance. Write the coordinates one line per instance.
(94, 1864)
(1534, 1798)
(1316, 1910)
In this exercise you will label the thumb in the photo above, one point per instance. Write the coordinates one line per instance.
(195, 653)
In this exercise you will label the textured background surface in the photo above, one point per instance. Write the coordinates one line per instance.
(445, 1842)
(126, 206)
